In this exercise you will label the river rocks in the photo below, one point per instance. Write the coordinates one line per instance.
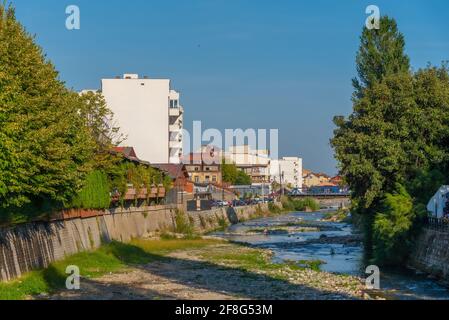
(224, 271)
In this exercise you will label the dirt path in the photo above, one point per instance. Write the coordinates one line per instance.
(189, 275)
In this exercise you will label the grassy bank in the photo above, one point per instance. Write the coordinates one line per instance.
(338, 216)
(114, 257)
(253, 259)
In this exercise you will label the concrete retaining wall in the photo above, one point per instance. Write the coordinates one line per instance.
(431, 254)
(36, 245)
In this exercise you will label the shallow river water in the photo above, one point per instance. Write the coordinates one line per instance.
(297, 243)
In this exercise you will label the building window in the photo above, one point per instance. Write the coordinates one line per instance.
(214, 178)
(173, 103)
(207, 179)
(197, 179)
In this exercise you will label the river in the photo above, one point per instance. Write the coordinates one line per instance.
(303, 236)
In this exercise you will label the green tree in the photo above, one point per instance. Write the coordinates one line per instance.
(232, 175)
(397, 132)
(99, 120)
(45, 149)
(242, 179)
(381, 53)
(229, 172)
(392, 227)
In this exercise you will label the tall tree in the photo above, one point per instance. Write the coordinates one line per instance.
(381, 53)
(45, 147)
(104, 132)
(397, 132)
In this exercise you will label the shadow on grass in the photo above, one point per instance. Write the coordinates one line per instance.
(188, 276)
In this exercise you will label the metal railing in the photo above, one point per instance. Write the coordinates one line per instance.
(322, 194)
(439, 224)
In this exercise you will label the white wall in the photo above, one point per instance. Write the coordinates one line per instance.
(292, 169)
(437, 204)
(140, 108)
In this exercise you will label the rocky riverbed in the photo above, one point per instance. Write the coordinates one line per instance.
(292, 257)
(223, 271)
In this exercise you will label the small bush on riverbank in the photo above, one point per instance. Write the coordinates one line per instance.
(300, 205)
(223, 223)
(275, 209)
(183, 224)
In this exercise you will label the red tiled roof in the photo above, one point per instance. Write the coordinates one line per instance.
(199, 158)
(130, 154)
(175, 171)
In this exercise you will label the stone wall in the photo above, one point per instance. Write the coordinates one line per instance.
(36, 245)
(431, 253)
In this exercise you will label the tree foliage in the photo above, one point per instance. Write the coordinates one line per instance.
(396, 135)
(381, 53)
(54, 143)
(392, 227)
(45, 149)
(104, 132)
(231, 174)
(95, 194)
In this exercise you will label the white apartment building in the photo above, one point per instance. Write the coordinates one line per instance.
(149, 113)
(255, 163)
(287, 171)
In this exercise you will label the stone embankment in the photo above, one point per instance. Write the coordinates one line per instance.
(36, 245)
(431, 254)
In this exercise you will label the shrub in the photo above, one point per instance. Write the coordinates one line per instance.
(307, 203)
(273, 208)
(300, 205)
(392, 227)
(183, 225)
(223, 223)
(95, 193)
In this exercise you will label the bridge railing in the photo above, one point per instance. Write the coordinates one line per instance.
(439, 224)
(323, 194)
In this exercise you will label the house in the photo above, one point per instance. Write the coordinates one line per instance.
(179, 175)
(438, 205)
(337, 180)
(149, 113)
(129, 153)
(312, 179)
(255, 163)
(133, 192)
(203, 168)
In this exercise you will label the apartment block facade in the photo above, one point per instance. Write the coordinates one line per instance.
(287, 171)
(255, 163)
(149, 113)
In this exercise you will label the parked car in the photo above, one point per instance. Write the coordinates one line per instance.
(215, 203)
(238, 203)
(223, 203)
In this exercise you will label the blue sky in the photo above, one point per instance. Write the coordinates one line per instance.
(238, 63)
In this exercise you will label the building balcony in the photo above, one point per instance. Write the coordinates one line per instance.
(176, 112)
(175, 127)
(177, 144)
